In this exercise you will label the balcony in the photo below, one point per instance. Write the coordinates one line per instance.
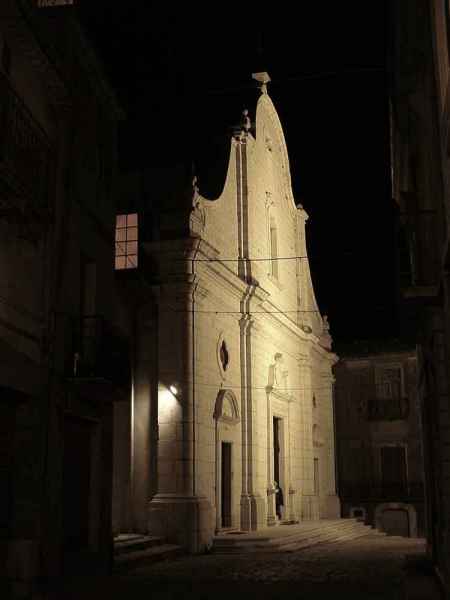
(388, 409)
(395, 492)
(99, 354)
(25, 154)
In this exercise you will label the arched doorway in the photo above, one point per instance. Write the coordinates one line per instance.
(226, 416)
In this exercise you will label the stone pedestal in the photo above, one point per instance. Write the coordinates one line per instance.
(184, 520)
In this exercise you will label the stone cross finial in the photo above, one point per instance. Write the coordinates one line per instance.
(263, 79)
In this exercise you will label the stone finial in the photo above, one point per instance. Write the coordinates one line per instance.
(246, 123)
(195, 190)
(325, 339)
(197, 218)
(263, 79)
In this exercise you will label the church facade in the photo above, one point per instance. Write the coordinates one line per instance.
(244, 437)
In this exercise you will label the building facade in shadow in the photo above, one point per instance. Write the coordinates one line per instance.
(379, 444)
(419, 109)
(63, 363)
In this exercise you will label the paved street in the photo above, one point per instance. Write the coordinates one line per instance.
(371, 567)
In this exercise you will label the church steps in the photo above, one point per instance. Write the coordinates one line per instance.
(300, 536)
(275, 536)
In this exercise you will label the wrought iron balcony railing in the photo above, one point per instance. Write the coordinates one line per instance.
(25, 154)
(382, 491)
(388, 409)
(99, 352)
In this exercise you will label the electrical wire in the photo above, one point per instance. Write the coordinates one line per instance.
(237, 259)
(253, 387)
(239, 312)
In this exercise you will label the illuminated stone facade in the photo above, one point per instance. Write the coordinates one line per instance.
(246, 351)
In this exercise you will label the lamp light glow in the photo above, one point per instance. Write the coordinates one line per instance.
(173, 389)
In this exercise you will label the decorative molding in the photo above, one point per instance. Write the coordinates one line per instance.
(226, 409)
(269, 200)
(222, 356)
(318, 441)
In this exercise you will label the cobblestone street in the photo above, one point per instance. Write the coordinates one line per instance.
(371, 567)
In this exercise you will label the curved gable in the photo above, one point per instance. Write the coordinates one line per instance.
(270, 137)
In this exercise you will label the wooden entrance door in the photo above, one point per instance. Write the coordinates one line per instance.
(226, 484)
(276, 450)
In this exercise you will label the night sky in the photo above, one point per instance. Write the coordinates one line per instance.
(183, 75)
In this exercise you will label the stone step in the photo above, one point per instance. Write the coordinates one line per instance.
(126, 543)
(334, 532)
(280, 536)
(305, 529)
(138, 558)
(327, 539)
(303, 536)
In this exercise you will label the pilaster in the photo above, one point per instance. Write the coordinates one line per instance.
(176, 511)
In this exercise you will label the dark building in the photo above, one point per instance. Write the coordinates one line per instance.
(379, 454)
(419, 108)
(62, 361)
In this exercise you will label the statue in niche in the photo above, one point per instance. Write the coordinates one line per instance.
(277, 376)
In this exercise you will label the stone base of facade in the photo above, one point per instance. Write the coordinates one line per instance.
(258, 512)
(246, 513)
(330, 507)
(310, 509)
(183, 520)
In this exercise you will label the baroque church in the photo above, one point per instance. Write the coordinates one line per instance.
(240, 431)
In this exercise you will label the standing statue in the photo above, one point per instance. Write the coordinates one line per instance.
(246, 122)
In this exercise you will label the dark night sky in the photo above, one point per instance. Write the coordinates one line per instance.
(184, 74)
